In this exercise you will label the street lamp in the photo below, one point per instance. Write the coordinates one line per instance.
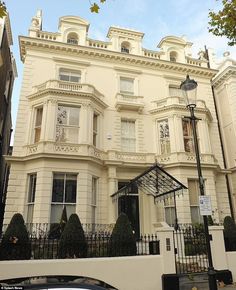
(189, 89)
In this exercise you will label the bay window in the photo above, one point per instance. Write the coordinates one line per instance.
(67, 128)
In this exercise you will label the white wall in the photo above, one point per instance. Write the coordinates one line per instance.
(124, 273)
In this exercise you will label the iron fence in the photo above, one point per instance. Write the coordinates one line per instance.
(45, 240)
(190, 247)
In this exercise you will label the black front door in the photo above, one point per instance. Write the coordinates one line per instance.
(129, 204)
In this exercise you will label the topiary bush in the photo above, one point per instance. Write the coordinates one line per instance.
(15, 244)
(230, 233)
(72, 243)
(122, 241)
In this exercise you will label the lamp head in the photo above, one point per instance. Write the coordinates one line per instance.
(189, 90)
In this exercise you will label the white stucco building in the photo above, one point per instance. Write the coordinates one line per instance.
(93, 115)
(224, 85)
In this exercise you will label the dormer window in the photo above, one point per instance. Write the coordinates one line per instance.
(72, 38)
(173, 56)
(125, 47)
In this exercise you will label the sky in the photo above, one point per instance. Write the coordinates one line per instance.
(156, 18)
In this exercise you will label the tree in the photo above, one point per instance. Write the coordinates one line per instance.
(122, 242)
(223, 22)
(72, 243)
(229, 233)
(15, 244)
(3, 10)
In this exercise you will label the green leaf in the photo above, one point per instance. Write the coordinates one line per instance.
(102, 1)
(94, 8)
(3, 11)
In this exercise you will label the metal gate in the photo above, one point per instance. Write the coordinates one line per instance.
(190, 249)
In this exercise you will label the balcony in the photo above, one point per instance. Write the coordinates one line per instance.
(69, 87)
(129, 102)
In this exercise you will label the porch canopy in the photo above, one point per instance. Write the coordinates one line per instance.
(154, 181)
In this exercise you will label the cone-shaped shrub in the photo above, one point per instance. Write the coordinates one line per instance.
(63, 220)
(229, 233)
(72, 243)
(15, 244)
(122, 242)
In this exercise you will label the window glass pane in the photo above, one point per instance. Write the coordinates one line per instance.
(164, 136)
(126, 85)
(64, 77)
(30, 213)
(193, 190)
(75, 79)
(37, 133)
(70, 208)
(170, 215)
(58, 188)
(62, 115)
(56, 212)
(73, 116)
(195, 215)
(32, 187)
(39, 115)
(70, 190)
(128, 141)
(94, 191)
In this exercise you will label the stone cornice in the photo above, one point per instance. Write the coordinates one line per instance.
(182, 109)
(77, 95)
(116, 57)
(221, 77)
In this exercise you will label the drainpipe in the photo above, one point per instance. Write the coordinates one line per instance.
(222, 145)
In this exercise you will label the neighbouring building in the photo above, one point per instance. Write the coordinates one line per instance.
(7, 75)
(95, 114)
(224, 85)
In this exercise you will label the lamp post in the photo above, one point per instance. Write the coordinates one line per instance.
(189, 89)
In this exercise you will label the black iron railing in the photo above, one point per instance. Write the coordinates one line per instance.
(191, 251)
(45, 240)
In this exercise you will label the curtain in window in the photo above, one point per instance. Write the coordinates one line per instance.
(63, 195)
(67, 129)
(126, 86)
(164, 136)
(38, 124)
(128, 140)
(193, 189)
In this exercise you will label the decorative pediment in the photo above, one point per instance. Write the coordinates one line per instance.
(173, 40)
(74, 20)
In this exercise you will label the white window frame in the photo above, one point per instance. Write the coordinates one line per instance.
(166, 140)
(37, 126)
(31, 191)
(169, 206)
(128, 137)
(124, 91)
(95, 130)
(70, 73)
(61, 128)
(188, 138)
(94, 196)
(64, 203)
(196, 204)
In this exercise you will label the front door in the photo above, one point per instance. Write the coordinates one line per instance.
(129, 204)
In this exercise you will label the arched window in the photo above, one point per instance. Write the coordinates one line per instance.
(173, 56)
(72, 38)
(125, 47)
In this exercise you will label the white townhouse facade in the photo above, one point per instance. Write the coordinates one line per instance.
(95, 114)
(224, 84)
